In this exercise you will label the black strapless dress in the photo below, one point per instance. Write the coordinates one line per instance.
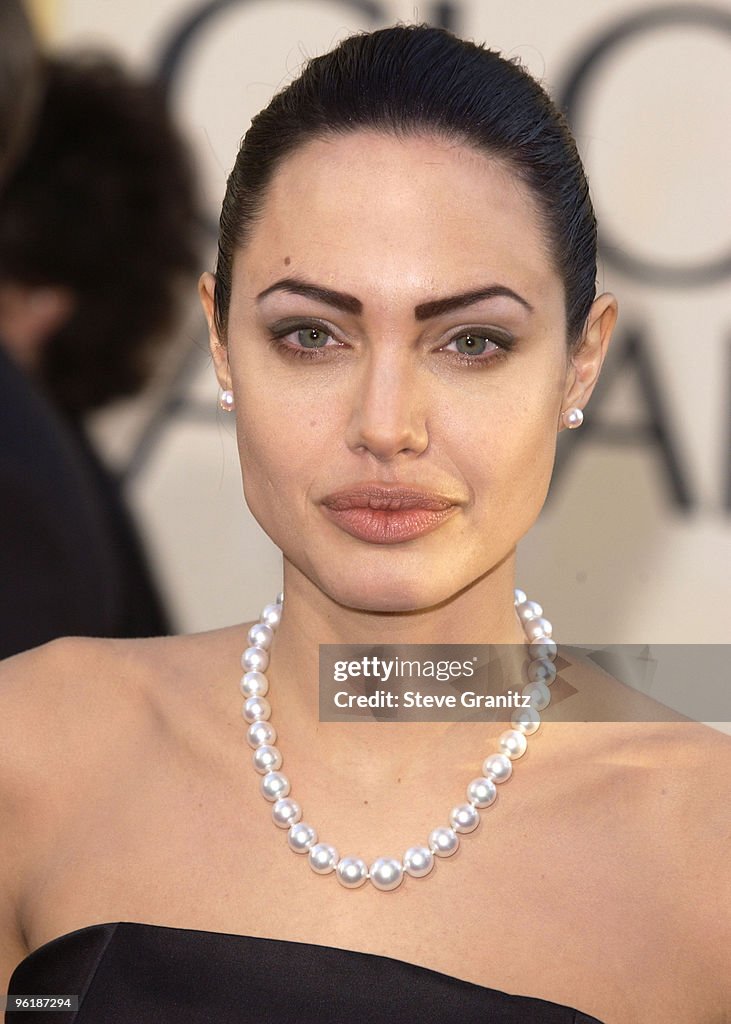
(127, 973)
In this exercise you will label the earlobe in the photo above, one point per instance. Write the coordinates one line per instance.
(586, 362)
(219, 352)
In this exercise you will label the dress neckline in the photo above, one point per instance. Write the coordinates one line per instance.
(111, 927)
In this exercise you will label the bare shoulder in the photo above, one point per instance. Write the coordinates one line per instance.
(674, 775)
(693, 763)
(673, 768)
(66, 701)
(650, 820)
(74, 712)
(62, 706)
(673, 811)
(61, 700)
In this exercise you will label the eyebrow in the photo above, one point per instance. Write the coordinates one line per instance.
(340, 300)
(424, 311)
(429, 309)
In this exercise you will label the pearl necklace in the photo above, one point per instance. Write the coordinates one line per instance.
(386, 873)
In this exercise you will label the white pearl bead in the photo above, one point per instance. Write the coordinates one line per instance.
(443, 842)
(482, 792)
(260, 733)
(537, 628)
(301, 837)
(540, 695)
(526, 720)
(256, 708)
(261, 635)
(280, 597)
(286, 812)
(543, 648)
(529, 610)
(418, 861)
(267, 759)
(497, 767)
(573, 417)
(254, 684)
(464, 818)
(386, 873)
(519, 596)
(513, 743)
(274, 785)
(271, 615)
(226, 401)
(541, 671)
(254, 659)
(323, 858)
(351, 872)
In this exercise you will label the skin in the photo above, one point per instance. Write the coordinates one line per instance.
(608, 838)
(389, 398)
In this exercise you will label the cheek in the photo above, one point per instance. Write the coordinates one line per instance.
(504, 443)
(530, 438)
(268, 448)
(280, 439)
(514, 470)
(526, 473)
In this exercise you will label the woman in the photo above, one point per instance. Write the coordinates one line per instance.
(404, 317)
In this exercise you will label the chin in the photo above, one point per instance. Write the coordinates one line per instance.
(397, 592)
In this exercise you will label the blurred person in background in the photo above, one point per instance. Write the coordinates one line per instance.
(52, 564)
(99, 229)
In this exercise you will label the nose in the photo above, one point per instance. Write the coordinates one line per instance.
(388, 416)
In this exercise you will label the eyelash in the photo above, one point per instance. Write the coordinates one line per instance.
(277, 338)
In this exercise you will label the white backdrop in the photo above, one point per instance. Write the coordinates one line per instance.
(618, 556)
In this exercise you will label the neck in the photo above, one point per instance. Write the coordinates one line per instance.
(481, 614)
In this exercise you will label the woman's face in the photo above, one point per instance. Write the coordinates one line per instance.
(397, 351)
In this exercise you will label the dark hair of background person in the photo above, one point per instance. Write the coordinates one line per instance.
(104, 203)
(408, 80)
(19, 81)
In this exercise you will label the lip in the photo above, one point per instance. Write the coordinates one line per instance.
(387, 513)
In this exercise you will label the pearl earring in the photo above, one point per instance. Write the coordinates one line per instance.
(572, 417)
(226, 400)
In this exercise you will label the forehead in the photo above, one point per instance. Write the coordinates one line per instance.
(366, 208)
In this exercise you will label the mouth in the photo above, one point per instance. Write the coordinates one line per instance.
(384, 514)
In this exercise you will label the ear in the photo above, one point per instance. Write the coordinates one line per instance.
(586, 360)
(219, 351)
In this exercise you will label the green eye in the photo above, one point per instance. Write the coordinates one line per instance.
(471, 344)
(312, 337)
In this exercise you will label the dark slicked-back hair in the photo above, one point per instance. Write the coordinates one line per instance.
(415, 80)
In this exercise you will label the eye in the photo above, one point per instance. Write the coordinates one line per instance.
(311, 337)
(302, 337)
(473, 343)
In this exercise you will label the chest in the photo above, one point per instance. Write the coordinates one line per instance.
(554, 896)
